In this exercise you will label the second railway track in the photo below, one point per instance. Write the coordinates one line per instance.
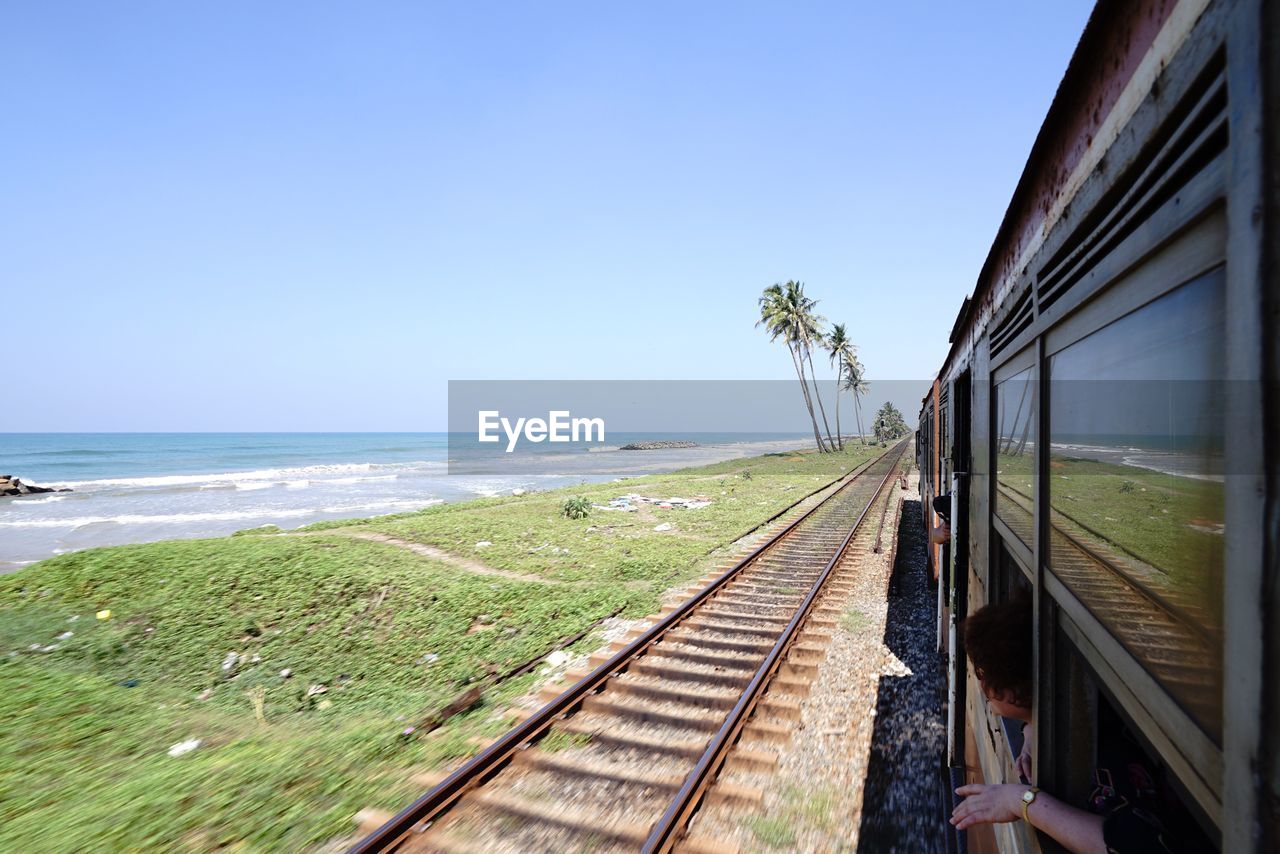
(623, 757)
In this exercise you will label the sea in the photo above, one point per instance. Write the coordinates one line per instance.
(142, 487)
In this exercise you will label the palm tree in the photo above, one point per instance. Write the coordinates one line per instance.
(808, 325)
(855, 380)
(841, 350)
(779, 317)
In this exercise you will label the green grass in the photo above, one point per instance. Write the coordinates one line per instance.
(1168, 522)
(1171, 523)
(1148, 513)
(554, 742)
(773, 831)
(384, 631)
(530, 534)
(389, 635)
(854, 621)
(798, 808)
(816, 807)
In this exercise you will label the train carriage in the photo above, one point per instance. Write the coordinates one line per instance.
(1101, 423)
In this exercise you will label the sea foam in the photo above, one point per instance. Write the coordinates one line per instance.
(220, 516)
(241, 479)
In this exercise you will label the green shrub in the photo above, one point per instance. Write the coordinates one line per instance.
(578, 507)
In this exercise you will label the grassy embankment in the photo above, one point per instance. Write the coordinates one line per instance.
(1172, 523)
(375, 636)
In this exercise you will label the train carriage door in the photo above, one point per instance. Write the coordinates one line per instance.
(958, 576)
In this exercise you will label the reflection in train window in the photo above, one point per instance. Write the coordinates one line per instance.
(1015, 453)
(1135, 486)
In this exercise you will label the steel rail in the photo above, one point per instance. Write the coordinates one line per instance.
(666, 832)
(488, 762)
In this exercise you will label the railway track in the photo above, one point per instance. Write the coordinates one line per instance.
(622, 758)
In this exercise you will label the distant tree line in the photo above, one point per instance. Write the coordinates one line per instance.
(889, 424)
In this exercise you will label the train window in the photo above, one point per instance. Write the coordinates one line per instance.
(1011, 583)
(1011, 578)
(1103, 763)
(1136, 489)
(1015, 453)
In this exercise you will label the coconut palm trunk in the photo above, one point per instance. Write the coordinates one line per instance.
(1014, 424)
(839, 435)
(817, 393)
(804, 388)
(841, 352)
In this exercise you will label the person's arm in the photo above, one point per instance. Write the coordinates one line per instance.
(941, 533)
(1023, 762)
(1075, 829)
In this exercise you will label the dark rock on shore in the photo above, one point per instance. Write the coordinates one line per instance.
(657, 445)
(10, 485)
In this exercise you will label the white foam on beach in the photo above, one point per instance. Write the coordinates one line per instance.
(222, 516)
(488, 488)
(1168, 464)
(239, 479)
(349, 480)
(47, 499)
(1164, 462)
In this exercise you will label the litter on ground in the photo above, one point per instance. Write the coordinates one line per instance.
(630, 502)
(184, 747)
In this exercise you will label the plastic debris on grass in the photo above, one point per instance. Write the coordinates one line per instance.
(182, 748)
(631, 502)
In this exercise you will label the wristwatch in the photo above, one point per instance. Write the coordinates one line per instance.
(1028, 798)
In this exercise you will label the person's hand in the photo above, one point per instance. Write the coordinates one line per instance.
(988, 804)
(1023, 762)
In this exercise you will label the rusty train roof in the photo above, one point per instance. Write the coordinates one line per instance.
(1116, 38)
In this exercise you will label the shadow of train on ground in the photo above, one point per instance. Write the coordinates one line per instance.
(901, 803)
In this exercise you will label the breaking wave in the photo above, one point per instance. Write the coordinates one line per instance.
(339, 473)
(220, 516)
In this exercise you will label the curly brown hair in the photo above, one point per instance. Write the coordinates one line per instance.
(998, 639)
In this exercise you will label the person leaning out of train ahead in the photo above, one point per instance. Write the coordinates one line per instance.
(1124, 809)
(940, 533)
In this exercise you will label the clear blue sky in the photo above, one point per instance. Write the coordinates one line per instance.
(310, 216)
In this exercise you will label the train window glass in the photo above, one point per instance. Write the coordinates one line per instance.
(1011, 583)
(1122, 758)
(1015, 453)
(1106, 766)
(1136, 489)
(1011, 578)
